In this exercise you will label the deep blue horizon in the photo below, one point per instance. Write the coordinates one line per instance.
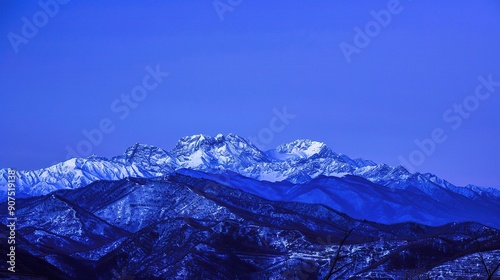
(397, 82)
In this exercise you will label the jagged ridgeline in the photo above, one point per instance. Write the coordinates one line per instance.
(220, 208)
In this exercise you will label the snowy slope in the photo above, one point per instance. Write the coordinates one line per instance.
(181, 227)
(299, 161)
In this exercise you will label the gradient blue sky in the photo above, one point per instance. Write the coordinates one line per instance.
(227, 76)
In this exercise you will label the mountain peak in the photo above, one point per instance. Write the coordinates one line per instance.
(147, 156)
(140, 149)
(219, 152)
(193, 141)
(305, 148)
(197, 141)
(298, 161)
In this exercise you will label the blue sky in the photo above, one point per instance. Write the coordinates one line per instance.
(232, 75)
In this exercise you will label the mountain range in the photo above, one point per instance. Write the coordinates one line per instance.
(220, 208)
(303, 170)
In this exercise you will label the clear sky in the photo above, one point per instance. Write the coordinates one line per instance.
(366, 77)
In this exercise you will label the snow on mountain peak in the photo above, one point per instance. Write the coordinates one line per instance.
(216, 153)
(298, 162)
(304, 148)
(193, 142)
(219, 137)
(141, 153)
(190, 144)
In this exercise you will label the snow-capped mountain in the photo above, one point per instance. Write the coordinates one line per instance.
(71, 174)
(297, 162)
(220, 208)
